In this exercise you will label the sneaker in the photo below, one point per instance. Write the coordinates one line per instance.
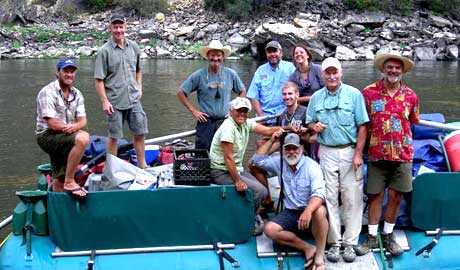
(390, 244)
(368, 244)
(258, 226)
(333, 254)
(349, 254)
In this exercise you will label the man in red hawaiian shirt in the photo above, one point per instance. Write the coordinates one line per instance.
(392, 108)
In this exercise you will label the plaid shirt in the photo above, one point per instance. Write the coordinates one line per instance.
(51, 103)
(391, 119)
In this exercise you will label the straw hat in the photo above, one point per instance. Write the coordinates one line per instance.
(380, 59)
(215, 45)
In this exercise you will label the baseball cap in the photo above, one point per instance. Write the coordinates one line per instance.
(273, 44)
(117, 18)
(66, 62)
(331, 62)
(292, 139)
(239, 103)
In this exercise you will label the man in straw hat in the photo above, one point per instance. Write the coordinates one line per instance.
(214, 85)
(338, 115)
(392, 108)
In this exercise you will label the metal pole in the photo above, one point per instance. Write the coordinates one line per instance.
(6, 221)
(139, 250)
(438, 125)
(444, 232)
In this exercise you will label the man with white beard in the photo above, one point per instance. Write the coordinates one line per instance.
(338, 115)
(304, 194)
(392, 108)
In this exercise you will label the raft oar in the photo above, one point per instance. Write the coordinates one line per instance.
(128, 146)
(426, 250)
(6, 221)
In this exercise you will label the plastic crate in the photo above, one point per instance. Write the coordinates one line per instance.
(192, 167)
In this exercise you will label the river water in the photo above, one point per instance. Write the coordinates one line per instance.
(436, 83)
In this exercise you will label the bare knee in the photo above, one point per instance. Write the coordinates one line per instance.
(82, 138)
(394, 195)
(271, 229)
(375, 198)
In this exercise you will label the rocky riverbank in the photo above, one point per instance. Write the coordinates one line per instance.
(42, 31)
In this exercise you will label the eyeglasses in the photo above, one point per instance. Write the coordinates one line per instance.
(331, 102)
(215, 85)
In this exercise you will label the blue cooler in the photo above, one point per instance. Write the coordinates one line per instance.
(151, 154)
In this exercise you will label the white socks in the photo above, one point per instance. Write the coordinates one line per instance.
(388, 227)
(373, 229)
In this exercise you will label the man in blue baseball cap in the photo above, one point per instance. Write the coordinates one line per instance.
(61, 118)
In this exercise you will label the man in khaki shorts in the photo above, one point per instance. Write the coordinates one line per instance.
(118, 77)
(392, 108)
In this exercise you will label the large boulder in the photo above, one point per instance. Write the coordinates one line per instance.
(425, 53)
(344, 53)
(289, 35)
(372, 19)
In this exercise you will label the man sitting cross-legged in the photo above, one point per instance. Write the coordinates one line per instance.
(304, 194)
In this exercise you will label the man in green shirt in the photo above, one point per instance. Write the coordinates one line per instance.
(119, 85)
(227, 151)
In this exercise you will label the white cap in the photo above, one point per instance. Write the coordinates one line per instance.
(331, 62)
(240, 102)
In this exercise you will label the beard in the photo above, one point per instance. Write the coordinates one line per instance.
(215, 64)
(393, 79)
(292, 159)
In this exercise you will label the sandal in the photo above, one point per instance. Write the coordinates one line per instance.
(76, 196)
(310, 262)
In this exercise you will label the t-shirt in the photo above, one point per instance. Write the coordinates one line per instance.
(207, 84)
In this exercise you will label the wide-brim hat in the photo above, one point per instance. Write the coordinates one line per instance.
(381, 58)
(215, 45)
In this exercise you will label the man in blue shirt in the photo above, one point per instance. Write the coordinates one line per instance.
(337, 113)
(265, 89)
(214, 85)
(304, 194)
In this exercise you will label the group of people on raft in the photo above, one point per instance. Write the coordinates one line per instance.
(316, 107)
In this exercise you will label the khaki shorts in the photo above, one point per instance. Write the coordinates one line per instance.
(136, 118)
(395, 175)
(58, 147)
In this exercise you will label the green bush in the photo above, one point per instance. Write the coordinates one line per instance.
(232, 8)
(446, 7)
(97, 5)
(403, 6)
(144, 7)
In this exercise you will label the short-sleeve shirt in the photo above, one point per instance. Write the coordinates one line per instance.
(296, 119)
(206, 84)
(51, 104)
(313, 83)
(391, 119)
(342, 111)
(230, 132)
(299, 186)
(266, 86)
(117, 67)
